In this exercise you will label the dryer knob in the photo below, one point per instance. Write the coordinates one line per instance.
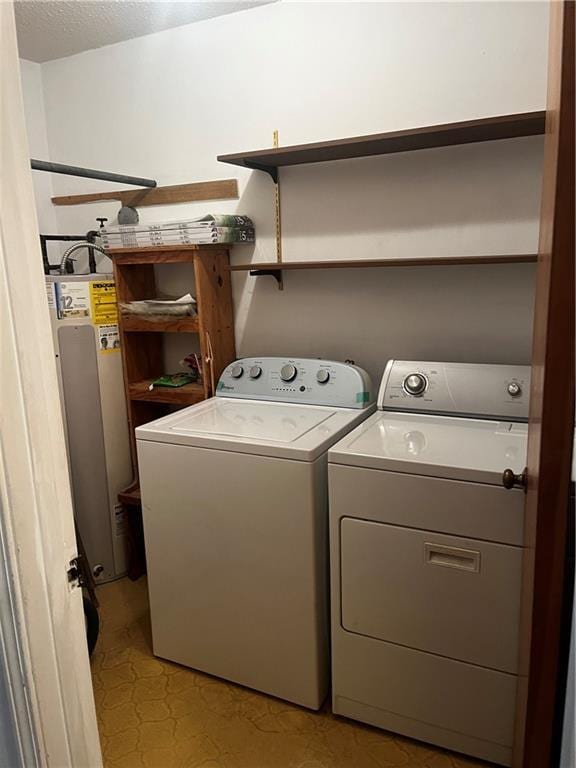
(415, 384)
(514, 389)
(236, 371)
(288, 372)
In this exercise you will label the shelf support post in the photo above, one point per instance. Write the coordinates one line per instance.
(278, 217)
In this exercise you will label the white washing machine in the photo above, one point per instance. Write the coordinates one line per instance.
(234, 498)
(426, 556)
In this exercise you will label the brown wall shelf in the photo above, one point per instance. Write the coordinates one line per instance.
(275, 269)
(426, 137)
(223, 189)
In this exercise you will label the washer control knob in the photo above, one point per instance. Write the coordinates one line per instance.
(514, 389)
(288, 372)
(415, 384)
(323, 376)
(236, 371)
(255, 372)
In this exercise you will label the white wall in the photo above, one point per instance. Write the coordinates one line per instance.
(165, 105)
(31, 77)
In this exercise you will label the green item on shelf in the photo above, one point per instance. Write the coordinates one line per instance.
(174, 380)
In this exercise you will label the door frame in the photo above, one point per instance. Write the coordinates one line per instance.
(551, 422)
(36, 516)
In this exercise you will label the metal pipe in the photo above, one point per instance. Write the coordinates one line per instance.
(44, 239)
(63, 238)
(88, 173)
(91, 238)
(69, 251)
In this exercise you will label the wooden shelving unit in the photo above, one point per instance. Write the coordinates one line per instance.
(142, 337)
(426, 137)
(131, 496)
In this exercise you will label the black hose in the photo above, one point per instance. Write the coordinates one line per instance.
(92, 624)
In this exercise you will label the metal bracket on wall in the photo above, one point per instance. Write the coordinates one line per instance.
(270, 170)
(275, 273)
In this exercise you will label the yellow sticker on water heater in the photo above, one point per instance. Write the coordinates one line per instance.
(103, 302)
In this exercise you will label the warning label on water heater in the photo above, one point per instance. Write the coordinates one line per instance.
(103, 302)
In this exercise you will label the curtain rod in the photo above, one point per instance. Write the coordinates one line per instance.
(88, 173)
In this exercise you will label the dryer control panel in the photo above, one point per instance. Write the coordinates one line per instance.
(456, 389)
(299, 380)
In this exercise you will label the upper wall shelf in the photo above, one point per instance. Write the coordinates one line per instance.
(467, 132)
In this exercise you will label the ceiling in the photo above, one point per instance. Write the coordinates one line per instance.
(52, 29)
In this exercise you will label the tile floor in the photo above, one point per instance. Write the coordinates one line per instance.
(154, 714)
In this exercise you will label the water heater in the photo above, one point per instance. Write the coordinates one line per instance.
(85, 332)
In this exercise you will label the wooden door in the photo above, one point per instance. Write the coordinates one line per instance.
(551, 426)
(37, 539)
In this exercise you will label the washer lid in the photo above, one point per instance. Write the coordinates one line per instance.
(438, 446)
(248, 426)
(253, 421)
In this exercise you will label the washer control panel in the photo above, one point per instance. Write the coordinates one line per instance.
(458, 389)
(300, 380)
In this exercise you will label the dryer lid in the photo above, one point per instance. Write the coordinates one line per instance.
(455, 448)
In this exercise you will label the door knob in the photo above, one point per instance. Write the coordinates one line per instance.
(510, 480)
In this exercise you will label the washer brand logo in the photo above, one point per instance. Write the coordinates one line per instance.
(222, 385)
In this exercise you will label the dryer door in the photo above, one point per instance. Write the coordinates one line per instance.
(447, 595)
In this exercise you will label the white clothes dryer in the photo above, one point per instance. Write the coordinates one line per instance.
(234, 499)
(426, 556)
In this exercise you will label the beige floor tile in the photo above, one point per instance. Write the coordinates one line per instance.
(157, 735)
(153, 711)
(112, 678)
(131, 760)
(120, 745)
(155, 714)
(121, 694)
